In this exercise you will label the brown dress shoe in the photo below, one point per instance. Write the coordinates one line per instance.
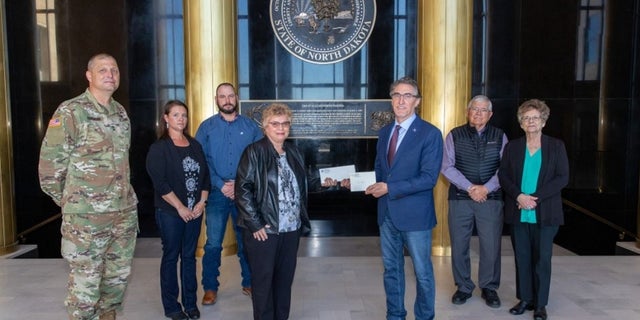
(246, 291)
(109, 315)
(210, 297)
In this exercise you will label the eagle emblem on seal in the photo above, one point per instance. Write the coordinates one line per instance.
(323, 31)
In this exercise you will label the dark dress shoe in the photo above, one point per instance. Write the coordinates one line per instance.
(540, 314)
(491, 298)
(460, 297)
(521, 307)
(178, 316)
(193, 314)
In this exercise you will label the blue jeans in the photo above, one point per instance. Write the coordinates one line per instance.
(179, 240)
(418, 243)
(218, 210)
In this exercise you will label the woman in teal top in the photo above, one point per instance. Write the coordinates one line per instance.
(533, 171)
(532, 163)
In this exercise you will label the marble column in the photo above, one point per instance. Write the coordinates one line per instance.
(444, 76)
(8, 237)
(210, 58)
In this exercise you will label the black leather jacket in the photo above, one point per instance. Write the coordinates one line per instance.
(256, 187)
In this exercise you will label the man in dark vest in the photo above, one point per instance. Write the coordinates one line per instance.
(470, 162)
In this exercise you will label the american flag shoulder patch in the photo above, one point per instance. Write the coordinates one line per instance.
(55, 122)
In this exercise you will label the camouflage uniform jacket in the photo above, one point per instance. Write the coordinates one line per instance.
(84, 158)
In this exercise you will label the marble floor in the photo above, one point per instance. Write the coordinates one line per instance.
(340, 278)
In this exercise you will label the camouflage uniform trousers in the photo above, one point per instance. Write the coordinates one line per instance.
(99, 248)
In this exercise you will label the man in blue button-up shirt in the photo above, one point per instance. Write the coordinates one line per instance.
(223, 137)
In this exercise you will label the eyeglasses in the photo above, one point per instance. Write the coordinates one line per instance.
(534, 119)
(406, 96)
(283, 125)
(476, 110)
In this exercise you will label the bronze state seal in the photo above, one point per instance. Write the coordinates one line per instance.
(323, 31)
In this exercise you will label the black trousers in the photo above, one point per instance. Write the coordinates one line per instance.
(533, 248)
(273, 266)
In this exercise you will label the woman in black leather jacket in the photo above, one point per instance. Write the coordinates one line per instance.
(271, 195)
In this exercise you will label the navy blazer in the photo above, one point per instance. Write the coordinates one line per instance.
(411, 177)
(553, 177)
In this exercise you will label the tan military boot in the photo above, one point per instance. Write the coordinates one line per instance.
(109, 315)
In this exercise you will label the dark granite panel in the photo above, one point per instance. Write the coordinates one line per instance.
(547, 41)
(380, 49)
(619, 45)
(262, 54)
(502, 60)
(584, 145)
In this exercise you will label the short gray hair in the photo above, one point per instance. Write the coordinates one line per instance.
(480, 98)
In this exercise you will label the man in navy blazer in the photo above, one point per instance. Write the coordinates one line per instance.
(405, 179)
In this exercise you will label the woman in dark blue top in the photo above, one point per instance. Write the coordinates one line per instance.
(181, 182)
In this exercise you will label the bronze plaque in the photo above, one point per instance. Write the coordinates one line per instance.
(329, 119)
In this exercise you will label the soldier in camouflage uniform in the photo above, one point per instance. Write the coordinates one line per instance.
(84, 168)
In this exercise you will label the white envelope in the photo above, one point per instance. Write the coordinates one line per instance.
(337, 173)
(361, 180)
